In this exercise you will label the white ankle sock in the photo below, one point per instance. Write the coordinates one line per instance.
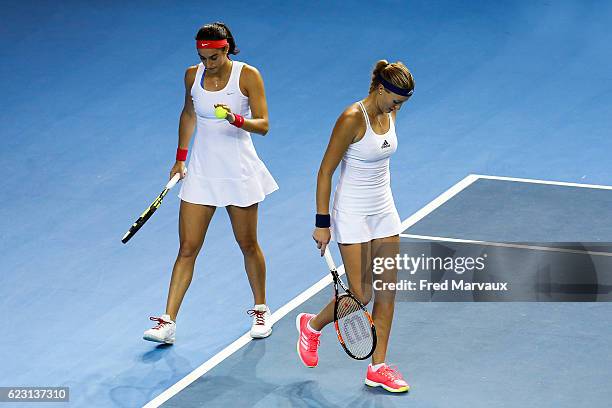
(311, 329)
(260, 308)
(377, 366)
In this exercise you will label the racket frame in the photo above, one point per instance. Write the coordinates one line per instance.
(337, 281)
(144, 217)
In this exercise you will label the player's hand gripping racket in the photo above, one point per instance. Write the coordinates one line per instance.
(149, 211)
(354, 325)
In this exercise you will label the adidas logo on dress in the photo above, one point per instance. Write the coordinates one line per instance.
(385, 145)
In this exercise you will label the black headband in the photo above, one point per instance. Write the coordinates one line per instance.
(388, 85)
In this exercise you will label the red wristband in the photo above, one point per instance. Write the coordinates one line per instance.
(238, 120)
(181, 154)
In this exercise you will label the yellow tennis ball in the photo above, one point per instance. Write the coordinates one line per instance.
(220, 112)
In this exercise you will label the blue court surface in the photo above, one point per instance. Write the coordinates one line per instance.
(519, 91)
(458, 354)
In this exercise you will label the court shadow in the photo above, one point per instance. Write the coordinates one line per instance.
(156, 353)
(375, 397)
(234, 383)
(306, 394)
(136, 386)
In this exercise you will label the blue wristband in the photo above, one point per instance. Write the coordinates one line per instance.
(323, 221)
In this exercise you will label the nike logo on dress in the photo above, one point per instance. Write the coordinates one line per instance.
(385, 145)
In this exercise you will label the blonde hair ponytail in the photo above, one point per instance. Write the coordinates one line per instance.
(396, 73)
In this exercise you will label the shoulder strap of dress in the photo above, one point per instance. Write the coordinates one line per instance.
(236, 71)
(365, 113)
(201, 71)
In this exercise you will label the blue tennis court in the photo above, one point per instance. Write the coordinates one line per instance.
(518, 91)
(457, 354)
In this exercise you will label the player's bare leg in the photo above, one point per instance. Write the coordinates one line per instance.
(384, 300)
(359, 278)
(194, 220)
(244, 225)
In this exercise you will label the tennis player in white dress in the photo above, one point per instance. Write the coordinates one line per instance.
(224, 170)
(363, 221)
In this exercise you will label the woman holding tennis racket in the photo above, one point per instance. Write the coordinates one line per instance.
(224, 170)
(364, 220)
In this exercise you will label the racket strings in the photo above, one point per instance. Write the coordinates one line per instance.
(355, 327)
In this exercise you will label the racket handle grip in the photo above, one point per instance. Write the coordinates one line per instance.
(173, 181)
(329, 259)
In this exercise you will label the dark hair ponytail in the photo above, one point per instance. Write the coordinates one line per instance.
(218, 31)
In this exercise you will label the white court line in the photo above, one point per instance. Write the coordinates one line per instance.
(505, 245)
(536, 181)
(239, 343)
(473, 177)
(438, 201)
(298, 300)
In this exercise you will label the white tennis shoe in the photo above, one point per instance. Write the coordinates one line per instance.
(262, 321)
(164, 332)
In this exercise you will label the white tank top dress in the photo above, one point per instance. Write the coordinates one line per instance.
(363, 207)
(223, 168)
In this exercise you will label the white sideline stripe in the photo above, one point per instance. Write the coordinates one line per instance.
(505, 245)
(438, 201)
(298, 300)
(536, 181)
(239, 343)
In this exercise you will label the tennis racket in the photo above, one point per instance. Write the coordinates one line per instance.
(354, 325)
(149, 211)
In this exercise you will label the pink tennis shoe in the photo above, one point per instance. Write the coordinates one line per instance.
(388, 378)
(308, 341)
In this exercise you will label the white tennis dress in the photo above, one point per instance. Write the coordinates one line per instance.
(224, 168)
(363, 207)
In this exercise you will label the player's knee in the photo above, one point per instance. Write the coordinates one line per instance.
(248, 246)
(188, 249)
